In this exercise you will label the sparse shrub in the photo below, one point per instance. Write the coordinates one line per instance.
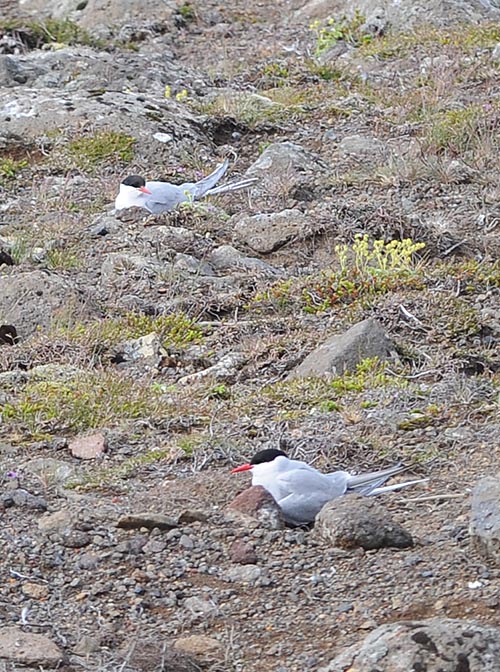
(33, 35)
(347, 30)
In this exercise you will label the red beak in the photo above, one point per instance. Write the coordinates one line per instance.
(244, 467)
(144, 190)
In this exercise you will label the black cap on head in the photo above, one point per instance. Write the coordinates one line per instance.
(266, 455)
(134, 181)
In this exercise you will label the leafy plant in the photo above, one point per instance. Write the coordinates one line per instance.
(365, 268)
(347, 30)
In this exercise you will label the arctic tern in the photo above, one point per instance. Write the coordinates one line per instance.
(301, 491)
(158, 197)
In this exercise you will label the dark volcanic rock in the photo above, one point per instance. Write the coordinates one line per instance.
(354, 521)
(434, 645)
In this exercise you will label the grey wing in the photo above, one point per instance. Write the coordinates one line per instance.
(303, 493)
(364, 484)
(199, 189)
(164, 197)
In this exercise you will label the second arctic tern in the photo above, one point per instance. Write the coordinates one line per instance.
(158, 197)
(301, 491)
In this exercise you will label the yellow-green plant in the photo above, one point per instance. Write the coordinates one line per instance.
(347, 30)
(364, 268)
(88, 151)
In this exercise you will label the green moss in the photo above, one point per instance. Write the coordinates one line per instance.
(89, 151)
(175, 330)
(466, 38)
(89, 400)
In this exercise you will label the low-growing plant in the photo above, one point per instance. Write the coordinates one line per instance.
(335, 30)
(34, 34)
(365, 269)
(89, 400)
(175, 330)
(9, 168)
(88, 151)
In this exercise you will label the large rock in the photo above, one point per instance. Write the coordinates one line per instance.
(343, 352)
(265, 233)
(285, 168)
(228, 258)
(354, 521)
(485, 518)
(32, 300)
(92, 13)
(401, 15)
(27, 648)
(434, 645)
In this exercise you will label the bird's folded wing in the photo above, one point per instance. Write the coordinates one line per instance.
(307, 481)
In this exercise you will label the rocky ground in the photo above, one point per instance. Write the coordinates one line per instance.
(142, 357)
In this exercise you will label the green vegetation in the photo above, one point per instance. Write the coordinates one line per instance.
(466, 38)
(300, 396)
(456, 131)
(88, 151)
(62, 259)
(9, 168)
(50, 31)
(89, 400)
(175, 330)
(344, 29)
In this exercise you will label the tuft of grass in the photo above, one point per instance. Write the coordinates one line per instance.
(61, 259)
(34, 34)
(88, 401)
(89, 151)
(9, 168)
(457, 131)
(304, 395)
(175, 330)
(466, 38)
(343, 29)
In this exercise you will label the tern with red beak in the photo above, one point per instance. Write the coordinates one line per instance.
(158, 197)
(301, 491)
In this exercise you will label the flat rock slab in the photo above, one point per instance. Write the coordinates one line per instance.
(256, 503)
(485, 518)
(135, 521)
(266, 233)
(434, 645)
(26, 648)
(354, 521)
(343, 352)
(88, 447)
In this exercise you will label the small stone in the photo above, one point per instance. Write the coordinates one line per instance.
(192, 516)
(197, 605)
(244, 573)
(242, 553)
(186, 542)
(88, 447)
(343, 352)
(37, 591)
(148, 520)
(55, 522)
(203, 649)
(256, 503)
(88, 561)
(75, 539)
